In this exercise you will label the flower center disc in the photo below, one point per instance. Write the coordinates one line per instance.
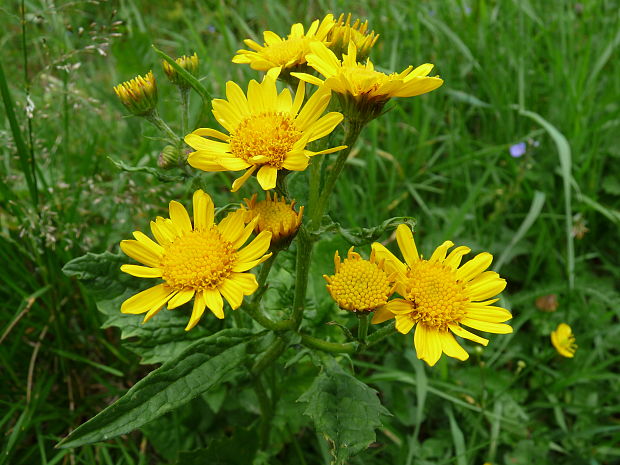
(271, 135)
(439, 299)
(274, 214)
(360, 285)
(198, 260)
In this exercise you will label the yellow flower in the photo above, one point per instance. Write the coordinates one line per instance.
(276, 216)
(440, 297)
(285, 53)
(139, 95)
(268, 132)
(563, 340)
(188, 63)
(343, 33)
(362, 89)
(359, 285)
(204, 261)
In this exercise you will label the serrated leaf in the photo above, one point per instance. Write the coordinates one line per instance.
(205, 364)
(345, 410)
(160, 339)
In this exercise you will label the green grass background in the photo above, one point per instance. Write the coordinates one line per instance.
(543, 72)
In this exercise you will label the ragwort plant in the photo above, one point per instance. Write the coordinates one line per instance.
(277, 131)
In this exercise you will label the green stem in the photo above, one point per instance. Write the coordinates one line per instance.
(362, 328)
(353, 130)
(159, 123)
(304, 255)
(378, 336)
(326, 346)
(269, 356)
(266, 410)
(184, 91)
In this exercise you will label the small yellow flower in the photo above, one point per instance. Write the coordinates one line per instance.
(276, 216)
(203, 261)
(359, 285)
(563, 340)
(440, 297)
(284, 53)
(268, 132)
(362, 90)
(188, 63)
(138, 95)
(343, 32)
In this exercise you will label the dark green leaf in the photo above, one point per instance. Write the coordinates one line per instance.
(160, 339)
(205, 364)
(239, 449)
(345, 410)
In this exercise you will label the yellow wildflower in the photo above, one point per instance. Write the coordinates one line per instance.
(188, 63)
(276, 216)
(138, 95)
(563, 340)
(344, 32)
(203, 261)
(440, 297)
(268, 132)
(359, 285)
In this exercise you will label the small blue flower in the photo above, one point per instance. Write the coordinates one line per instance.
(517, 150)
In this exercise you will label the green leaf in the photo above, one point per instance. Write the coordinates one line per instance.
(363, 236)
(345, 410)
(205, 364)
(161, 339)
(239, 449)
(120, 164)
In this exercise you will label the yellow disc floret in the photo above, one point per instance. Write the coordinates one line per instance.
(438, 297)
(275, 215)
(359, 285)
(198, 260)
(265, 138)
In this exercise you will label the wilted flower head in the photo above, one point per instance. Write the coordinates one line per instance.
(284, 53)
(188, 63)
(276, 216)
(139, 95)
(360, 285)
(344, 32)
(563, 340)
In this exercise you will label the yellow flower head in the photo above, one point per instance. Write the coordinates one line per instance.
(563, 340)
(268, 132)
(344, 32)
(363, 90)
(139, 95)
(439, 297)
(188, 63)
(360, 285)
(205, 261)
(285, 53)
(276, 216)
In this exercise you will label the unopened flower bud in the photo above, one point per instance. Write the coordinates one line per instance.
(188, 63)
(344, 32)
(168, 157)
(138, 95)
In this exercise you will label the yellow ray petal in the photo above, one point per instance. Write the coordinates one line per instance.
(453, 260)
(141, 271)
(149, 243)
(214, 301)
(382, 314)
(267, 176)
(404, 323)
(197, 310)
(406, 243)
(208, 132)
(497, 328)
(256, 248)
(203, 210)
(439, 255)
(431, 342)
(452, 348)
(474, 267)
(180, 298)
(491, 314)
(231, 227)
(247, 281)
(400, 306)
(392, 263)
(241, 181)
(325, 125)
(462, 332)
(143, 301)
(245, 266)
(179, 216)
(140, 252)
(486, 289)
(232, 292)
